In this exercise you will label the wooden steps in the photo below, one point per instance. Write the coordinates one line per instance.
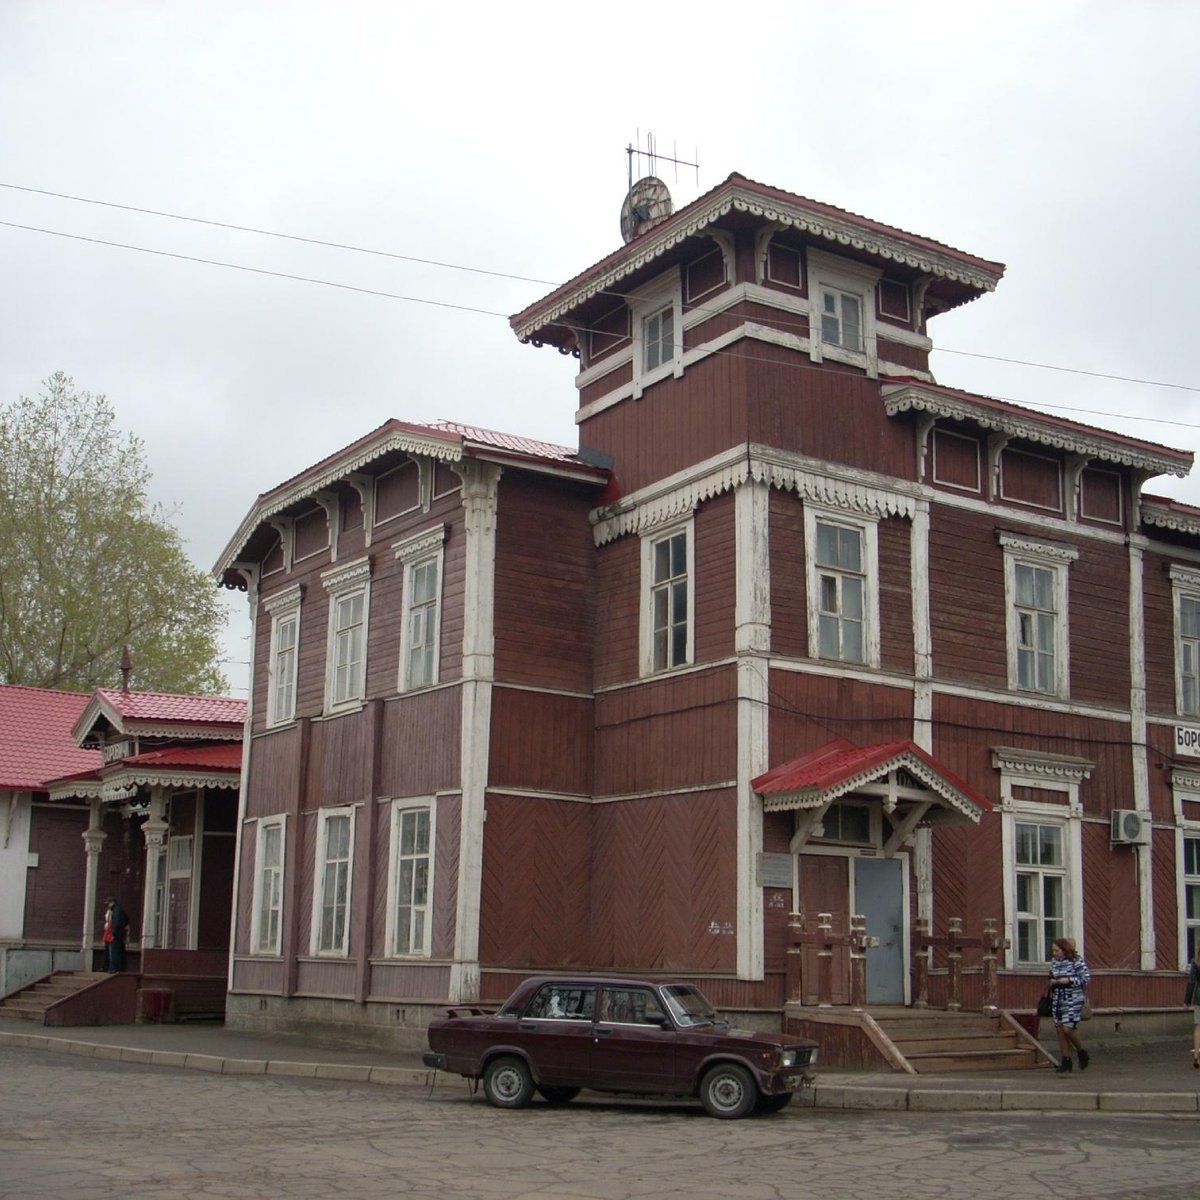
(33, 1002)
(934, 1041)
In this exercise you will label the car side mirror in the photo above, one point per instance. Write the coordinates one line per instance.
(657, 1018)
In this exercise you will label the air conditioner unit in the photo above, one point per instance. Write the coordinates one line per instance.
(1130, 828)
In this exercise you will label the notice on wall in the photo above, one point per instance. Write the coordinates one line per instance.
(1187, 740)
(775, 870)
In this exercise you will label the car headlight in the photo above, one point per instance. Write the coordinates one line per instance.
(787, 1058)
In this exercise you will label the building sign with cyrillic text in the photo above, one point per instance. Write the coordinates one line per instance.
(1187, 740)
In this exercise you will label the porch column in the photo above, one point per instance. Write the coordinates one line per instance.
(752, 615)
(93, 841)
(155, 832)
(479, 498)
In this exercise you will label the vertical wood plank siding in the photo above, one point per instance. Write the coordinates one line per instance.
(808, 710)
(672, 733)
(420, 740)
(544, 568)
(54, 888)
(1158, 604)
(262, 975)
(332, 977)
(274, 772)
(1099, 615)
(716, 579)
(245, 888)
(789, 587)
(616, 610)
(968, 624)
(536, 882)
(339, 760)
(445, 913)
(895, 595)
(541, 742)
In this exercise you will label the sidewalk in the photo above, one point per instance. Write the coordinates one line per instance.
(1152, 1076)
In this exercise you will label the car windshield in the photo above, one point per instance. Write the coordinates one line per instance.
(688, 1006)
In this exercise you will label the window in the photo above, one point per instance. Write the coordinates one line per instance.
(562, 1002)
(1191, 895)
(411, 881)
(631, 1006)
(847, 822)
(658, 339)
(841, 319)
(1035, 580)
(346, 661)
(1186, 587)
(1042, 822)
(157, 924)
(332, 893)
(265, 936)
(667, 571)
(843, 587)
(1040, 890)
(281, 667)
(419, 644)
(656, 317)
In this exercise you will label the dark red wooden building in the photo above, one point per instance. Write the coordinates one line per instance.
(796, 629)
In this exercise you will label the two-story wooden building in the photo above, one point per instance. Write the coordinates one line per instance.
(795, 629)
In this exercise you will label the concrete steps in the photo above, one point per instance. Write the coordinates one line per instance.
(935, 1042)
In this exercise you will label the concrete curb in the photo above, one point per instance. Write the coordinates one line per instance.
(831, 1095)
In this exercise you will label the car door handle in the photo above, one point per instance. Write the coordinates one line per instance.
(604, 1033)
(527, 1026)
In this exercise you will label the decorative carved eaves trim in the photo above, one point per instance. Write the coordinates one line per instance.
(903, 397)
(840, 231)
(1023, 544)
(1185, 780)
(352, 573)
(169, 777)
(668, 500)
(1165, 517)
(80, 790)
(1187, 576)
(1034, 763)
(419, 544)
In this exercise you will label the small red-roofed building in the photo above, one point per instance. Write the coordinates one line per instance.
(132, 795)
(796, 631)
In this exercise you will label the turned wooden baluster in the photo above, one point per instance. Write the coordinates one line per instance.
(922, 948)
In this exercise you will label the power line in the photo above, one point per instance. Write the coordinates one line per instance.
(487, 312)
(356, 249)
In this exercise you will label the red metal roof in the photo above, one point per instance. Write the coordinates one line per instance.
(35, 737)
(224, 756)
(161, 706)
(835, 764)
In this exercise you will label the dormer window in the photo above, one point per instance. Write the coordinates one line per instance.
(841, 319)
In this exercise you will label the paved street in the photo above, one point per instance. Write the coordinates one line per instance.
(76, 1128)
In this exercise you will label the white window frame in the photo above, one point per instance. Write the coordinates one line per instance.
(827, 273)
(1056, 559)
(868, 529)
(340, 947)
(415, 553)
(426, 804)
(283, 663)
(659, 295)
(1055, 776)
(345, 584)
(1188, 880)
(1185, 585)
(650, 540)
(260, 944)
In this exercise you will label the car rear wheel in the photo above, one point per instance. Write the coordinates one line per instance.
(727, 1091)
(773, 1104)
(558, 1095)
(507, 1083)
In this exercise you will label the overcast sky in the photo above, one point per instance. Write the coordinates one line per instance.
(1060, 139)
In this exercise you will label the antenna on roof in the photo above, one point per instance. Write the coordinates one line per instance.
(647, 201)
(126, 667)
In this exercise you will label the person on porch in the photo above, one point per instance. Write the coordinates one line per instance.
(116, 930)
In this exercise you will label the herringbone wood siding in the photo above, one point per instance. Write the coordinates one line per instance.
(541, 742)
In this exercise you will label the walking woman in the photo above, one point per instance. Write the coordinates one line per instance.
(1069, 975)
(1192, 997)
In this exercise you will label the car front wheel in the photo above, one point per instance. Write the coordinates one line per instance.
(507, 1083)
(727, 1091)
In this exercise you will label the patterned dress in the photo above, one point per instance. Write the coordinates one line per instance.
(1067, 1001)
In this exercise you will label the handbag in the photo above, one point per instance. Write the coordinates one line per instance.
(1086, 1014)
(1044, 1006)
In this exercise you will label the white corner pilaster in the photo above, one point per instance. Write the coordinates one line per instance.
(479, 500)
(922, 690)
(93, 842)
(752, 644)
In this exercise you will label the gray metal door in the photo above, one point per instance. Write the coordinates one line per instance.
(879, 896)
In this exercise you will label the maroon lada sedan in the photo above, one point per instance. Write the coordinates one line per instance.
(558, 1034)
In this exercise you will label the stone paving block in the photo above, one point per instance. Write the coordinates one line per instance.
(294, 1069)
(952, 1100)
(343, 1071)
(168, 1058)
(1149, 1101)
(205, 1062)
(1050, 1100)
(245, 1066)
(398, 1076)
